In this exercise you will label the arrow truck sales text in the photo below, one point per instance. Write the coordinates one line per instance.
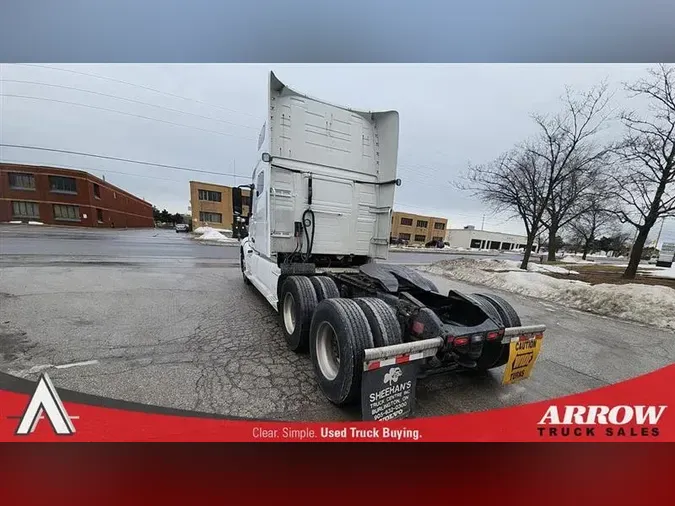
(622, 420)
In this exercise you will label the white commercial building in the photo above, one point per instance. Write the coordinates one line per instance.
(470, 238)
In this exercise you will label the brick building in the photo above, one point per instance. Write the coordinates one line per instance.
(67, 197)
(211, 204)
(417, 229)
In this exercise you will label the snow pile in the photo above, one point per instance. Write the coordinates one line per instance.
(213, 235)
(514, 265)
(203, 230)
(574, 259)
(35, 223)
(14, 222)
(649, 304)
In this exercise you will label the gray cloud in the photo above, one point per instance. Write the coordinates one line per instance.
(450, 115)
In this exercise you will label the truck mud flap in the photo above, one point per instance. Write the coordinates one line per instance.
(390, 373)
(390, 377)
(524, 347)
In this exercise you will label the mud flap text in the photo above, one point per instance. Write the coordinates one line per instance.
(388, 393)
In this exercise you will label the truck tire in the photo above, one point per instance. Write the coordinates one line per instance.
(324, 287)
(338, 337)
(296, 306)
(243, 269)
(496, 354)
(382, 320)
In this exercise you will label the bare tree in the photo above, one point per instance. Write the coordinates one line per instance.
(646, 184)
(566, 143)
(593, 222)
(525, 180)
(515, 183)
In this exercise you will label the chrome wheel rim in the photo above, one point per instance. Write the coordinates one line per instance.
(289, 313)
(327, 351)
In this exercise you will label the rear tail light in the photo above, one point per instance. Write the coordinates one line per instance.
(491, 336)
(461, 341)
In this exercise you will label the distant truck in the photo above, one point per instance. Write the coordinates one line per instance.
(666, 255)
(319, 232)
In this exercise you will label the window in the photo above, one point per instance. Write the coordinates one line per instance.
(25, 210)
(420, 238)
(261, 136)
(210, 217)
(422, 223)
(210, 196)
(476, 243)
(99, 215)
(406, 221)
(60, 184)
(97, 191)
(260, 184)
(405, 237)
(21, 181)
(440, 239)
(439, 226)
(68, 213)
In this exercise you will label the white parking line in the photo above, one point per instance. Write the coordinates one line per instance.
(76, 364)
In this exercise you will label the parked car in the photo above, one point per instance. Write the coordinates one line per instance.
(435, 244)
(182, 227)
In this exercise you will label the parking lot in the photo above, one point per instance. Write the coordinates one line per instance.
(152, 316)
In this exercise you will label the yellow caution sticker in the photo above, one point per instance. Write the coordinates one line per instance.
(523, 354)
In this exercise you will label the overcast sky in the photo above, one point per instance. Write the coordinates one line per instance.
(450, 115)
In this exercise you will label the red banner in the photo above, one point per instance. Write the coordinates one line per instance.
(637, 410)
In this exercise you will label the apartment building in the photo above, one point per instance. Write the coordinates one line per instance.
(416, 228)
(67, 197)
(212, 205)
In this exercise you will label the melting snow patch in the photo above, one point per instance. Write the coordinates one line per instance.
(650, 304)
(573, 259)
(213, 235)
(514, 265)
(203, 230)
(659, 272)
(35, 223)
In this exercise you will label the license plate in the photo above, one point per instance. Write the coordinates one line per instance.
(523, 353)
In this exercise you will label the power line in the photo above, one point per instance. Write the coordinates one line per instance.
(114, 80)
(119, 159)
(116, 97)
(426, 208)
(175, 167)
(91, 170)
(125, 114)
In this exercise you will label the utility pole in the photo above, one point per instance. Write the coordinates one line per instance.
(482, 225)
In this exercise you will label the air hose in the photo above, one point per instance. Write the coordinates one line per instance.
(306, 223)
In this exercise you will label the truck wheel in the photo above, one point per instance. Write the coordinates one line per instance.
(243, 269)
(382, 321)
(296, 305)
(324, 287)
(338, 337)
(496, 354)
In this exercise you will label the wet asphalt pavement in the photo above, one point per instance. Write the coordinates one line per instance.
(158, 318)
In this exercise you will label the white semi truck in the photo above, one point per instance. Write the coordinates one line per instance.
(322, 194)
